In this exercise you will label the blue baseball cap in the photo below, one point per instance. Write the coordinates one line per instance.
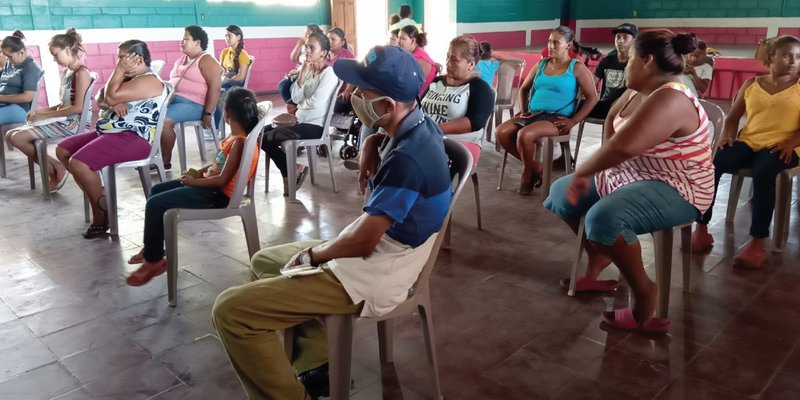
(388, 70)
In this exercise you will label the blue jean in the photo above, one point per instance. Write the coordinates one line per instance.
(634, 209)
(285, 89)
(12, 114)
(169, 195)
(226, 85)
(765, 166)
(182, 109)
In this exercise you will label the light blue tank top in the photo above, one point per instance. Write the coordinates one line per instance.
(555, 94)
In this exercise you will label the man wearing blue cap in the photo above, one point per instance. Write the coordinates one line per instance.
(370, 267)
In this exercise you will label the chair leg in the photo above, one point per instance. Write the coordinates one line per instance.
(447, 233)
(201, 142)
(578, 141)
(330, 166)
(144, 177)
(266, 173)
(686, 257)
(312, 162)
(502, 171)
(86, 208)
(547, 165)
(662, 241)
(250, 224)
(3, 153)
(783, 204)
(171, 244)
(386, 341)
(573, 277)
(569, 162)
(340, 354)
(41, 154)
(430, 345)
(291, 160)
(32, 177)
(733, 197)
(110, 183)
(180, 140)
(477, 198)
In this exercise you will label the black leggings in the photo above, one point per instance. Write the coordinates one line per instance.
(766, 166)
(271, 142)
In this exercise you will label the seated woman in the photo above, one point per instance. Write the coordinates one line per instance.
(553, 107)
(66, 49)
(298, 56)
(414, 41)
(235, 65)
(19, 80)
(697, 74)
(339, 50)
(312, 93)
(196, 80)
(209, 187)
(461, 102)
(768, 144)
(489, 63)
(653, 172)
(126, 127)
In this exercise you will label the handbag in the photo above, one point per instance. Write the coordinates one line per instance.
(284, 119)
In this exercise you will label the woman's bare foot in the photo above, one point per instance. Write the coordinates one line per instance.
(137, 258)
(645, 304)
(752, 255)
(702, 241)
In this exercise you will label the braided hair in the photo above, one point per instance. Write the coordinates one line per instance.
(236, 30)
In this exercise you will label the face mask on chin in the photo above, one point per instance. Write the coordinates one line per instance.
(364, 109)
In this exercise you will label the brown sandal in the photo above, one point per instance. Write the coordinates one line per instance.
(147, 272)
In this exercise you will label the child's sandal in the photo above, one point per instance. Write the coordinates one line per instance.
(95, 231)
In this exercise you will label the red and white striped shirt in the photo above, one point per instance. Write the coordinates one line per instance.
(682, 162)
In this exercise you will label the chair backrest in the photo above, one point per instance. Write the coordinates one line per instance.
(508, 69)
(460, 172)
(244, 186)
(329, 113)
(156, 66)
(162, 116)
(249, 71)
(86, 114)
(717, 117)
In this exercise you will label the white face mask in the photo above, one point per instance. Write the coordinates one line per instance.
(364, 109)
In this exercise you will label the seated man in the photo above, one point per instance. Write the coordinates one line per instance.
(370, 266)
(611, 70)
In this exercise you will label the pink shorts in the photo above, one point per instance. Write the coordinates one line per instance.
(475, 150)
(98, 151)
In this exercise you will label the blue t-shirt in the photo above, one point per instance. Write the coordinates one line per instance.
(412, 185)
(487, 69)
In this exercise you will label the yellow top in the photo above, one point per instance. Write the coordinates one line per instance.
(226, 58)
(771, 118)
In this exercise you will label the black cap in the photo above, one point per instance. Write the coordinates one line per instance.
(626, 28)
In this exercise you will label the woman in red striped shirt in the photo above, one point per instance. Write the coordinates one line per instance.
(653, 172)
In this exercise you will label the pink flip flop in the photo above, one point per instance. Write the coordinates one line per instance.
(584, 284)
(624, 319)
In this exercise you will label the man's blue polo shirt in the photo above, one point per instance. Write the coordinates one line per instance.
(412, 185)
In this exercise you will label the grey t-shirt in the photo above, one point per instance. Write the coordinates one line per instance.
(16, 79)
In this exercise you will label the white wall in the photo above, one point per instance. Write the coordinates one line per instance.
(440, 26)
(372, 22)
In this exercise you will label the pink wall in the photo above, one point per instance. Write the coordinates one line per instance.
(272, 61)
(712, 36)
(502, 40)
(36, 55)
(539, 38)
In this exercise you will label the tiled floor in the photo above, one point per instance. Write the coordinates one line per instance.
(71, 329)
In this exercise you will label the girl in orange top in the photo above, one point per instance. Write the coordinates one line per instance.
(210, 187)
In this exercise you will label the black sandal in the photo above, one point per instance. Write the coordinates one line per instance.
(95, 231)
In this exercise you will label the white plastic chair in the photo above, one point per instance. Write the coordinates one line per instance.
(156, 66)
(143, 166)
(201, 144)
(290, 148)
(41, 144)
(7, 127)
(505, 98)
(241, 205)
(340, 326)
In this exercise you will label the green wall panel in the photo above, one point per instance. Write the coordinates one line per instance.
(507, 10)
(610, 9)
(417, 7)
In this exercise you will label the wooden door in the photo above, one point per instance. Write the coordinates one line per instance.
(343, 15)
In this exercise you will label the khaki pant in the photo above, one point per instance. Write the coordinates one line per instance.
(248, 318)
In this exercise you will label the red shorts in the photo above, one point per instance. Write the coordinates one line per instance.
(98, 151)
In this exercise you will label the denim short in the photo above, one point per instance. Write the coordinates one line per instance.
(12, 114)
(634, 209)
(182, 109)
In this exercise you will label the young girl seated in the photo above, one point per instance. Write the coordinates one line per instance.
(210, 187)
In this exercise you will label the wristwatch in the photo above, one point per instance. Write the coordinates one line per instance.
(205, 113)
(305, 257)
